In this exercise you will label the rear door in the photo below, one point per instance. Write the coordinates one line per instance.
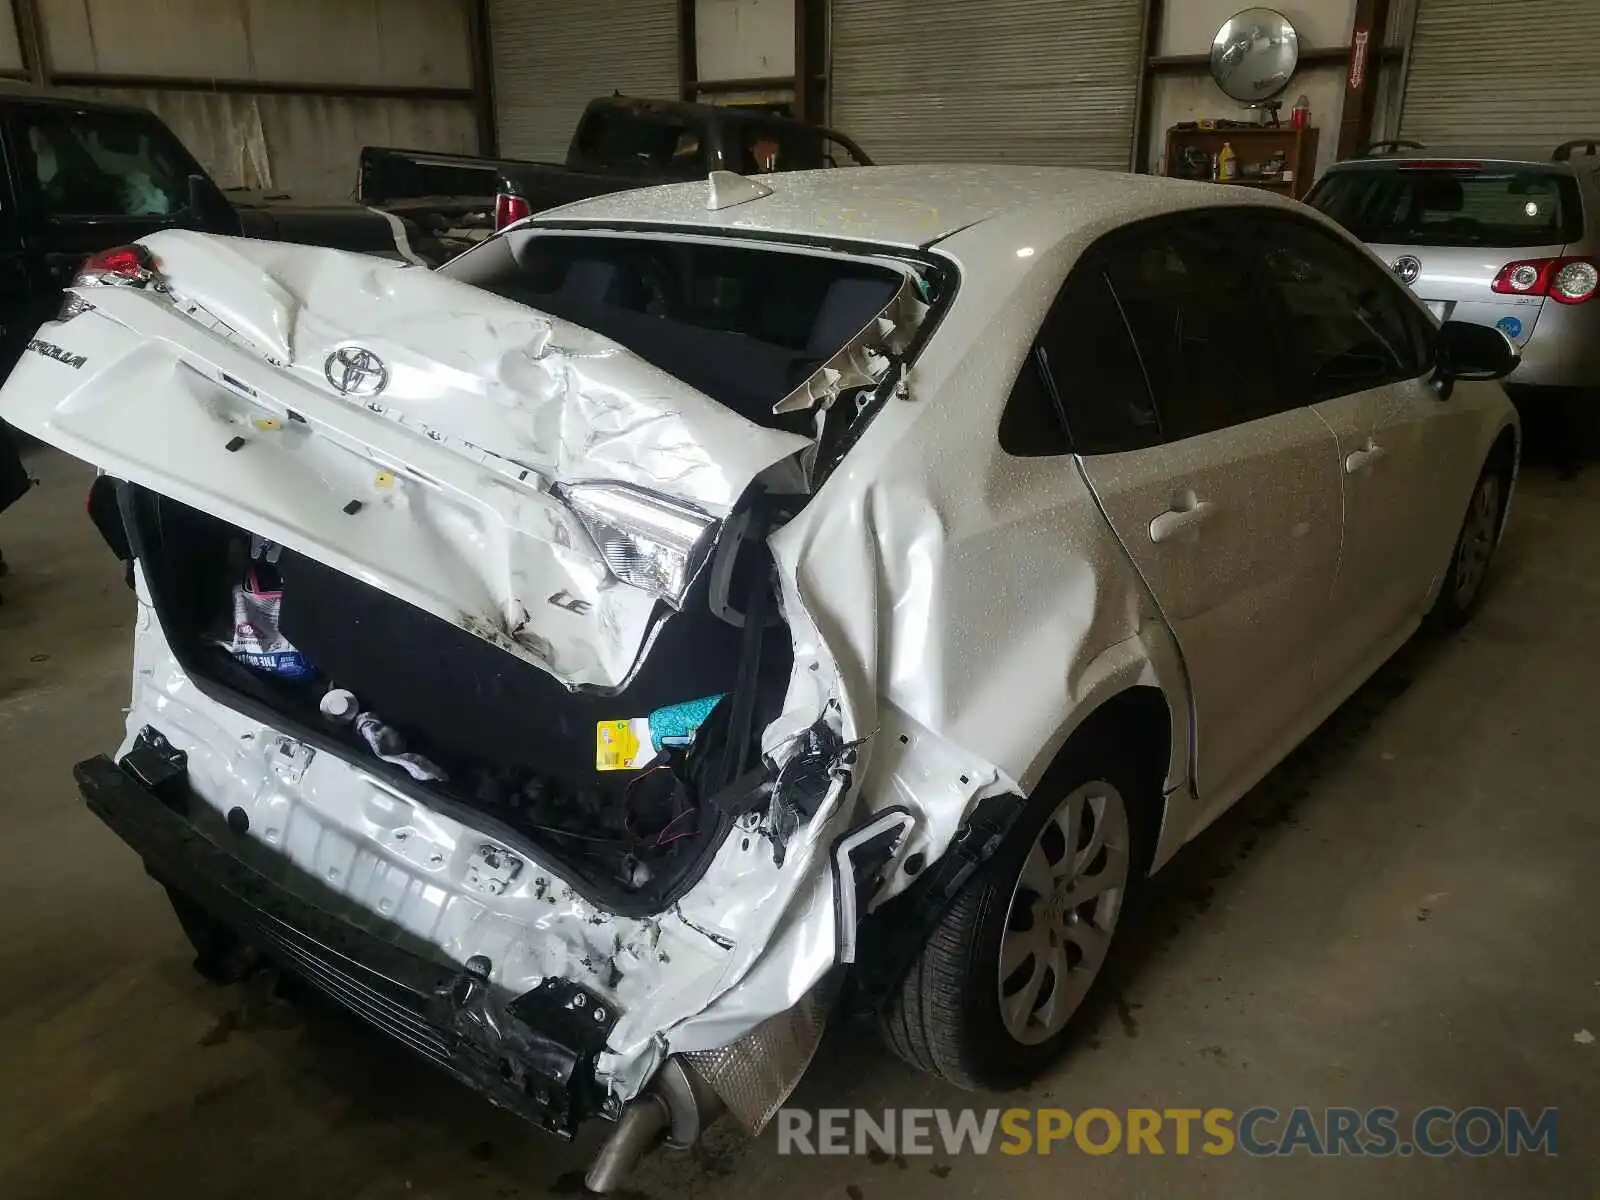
(1449, 229)
(1361, 353)
(1222, 488)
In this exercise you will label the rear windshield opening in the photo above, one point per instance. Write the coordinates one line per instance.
(744, 325)
(1454, 207)
(633, 141)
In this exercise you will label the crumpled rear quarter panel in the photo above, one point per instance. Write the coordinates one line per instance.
(978, 603)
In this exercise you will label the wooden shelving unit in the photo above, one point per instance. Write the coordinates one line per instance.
(1253, 145)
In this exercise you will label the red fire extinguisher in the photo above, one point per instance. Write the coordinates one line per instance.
(1300, 114)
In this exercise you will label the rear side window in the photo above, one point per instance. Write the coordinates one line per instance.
(1352, 325)
(766, 147)
(1082, 388)
(1091, 360)
(1198, 323)
(643, 142)
(103, 164)
(1030, 426)
(1487, 206)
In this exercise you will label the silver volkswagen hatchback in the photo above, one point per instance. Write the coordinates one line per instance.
(1498, 239)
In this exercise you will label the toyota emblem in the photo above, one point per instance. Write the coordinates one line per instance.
(354, 371)
(1407, 268)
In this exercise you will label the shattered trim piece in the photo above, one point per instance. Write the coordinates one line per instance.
(867, 358)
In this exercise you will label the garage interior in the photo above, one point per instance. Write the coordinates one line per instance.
(1402, 914)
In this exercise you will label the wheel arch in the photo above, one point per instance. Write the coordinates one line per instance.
(1137, 722)
(1506, 458)
(1504, 451)
(1505, 454)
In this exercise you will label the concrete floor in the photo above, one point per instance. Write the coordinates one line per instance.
(1403, 914)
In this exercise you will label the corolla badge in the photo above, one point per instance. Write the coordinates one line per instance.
(1407, 268)
(354, 371)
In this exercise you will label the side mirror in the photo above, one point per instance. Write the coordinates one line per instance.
(1472, 352)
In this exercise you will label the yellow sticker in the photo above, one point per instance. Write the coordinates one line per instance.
(384, 480)
(268, 424)
(616, 746)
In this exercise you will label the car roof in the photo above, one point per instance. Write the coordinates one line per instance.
(911, 205)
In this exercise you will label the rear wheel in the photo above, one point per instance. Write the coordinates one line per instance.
(990, 1001)
(1469, 564)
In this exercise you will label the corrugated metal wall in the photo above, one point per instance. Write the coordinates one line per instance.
(1027, 81)
(1485, 73)
(10, 48)
(553, 57)
(404, 42)
(304, 144)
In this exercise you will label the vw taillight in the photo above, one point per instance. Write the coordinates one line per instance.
(1567, 280)
(1574, 280)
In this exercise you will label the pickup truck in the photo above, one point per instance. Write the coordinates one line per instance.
(80, 176)
(620, 143)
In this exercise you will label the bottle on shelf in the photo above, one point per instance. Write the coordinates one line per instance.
(1227, 163)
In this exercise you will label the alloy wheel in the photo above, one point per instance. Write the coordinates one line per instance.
(1063, 912)
(1477, 540)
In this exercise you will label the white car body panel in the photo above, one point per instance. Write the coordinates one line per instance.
(895, 577)
(1257, 571)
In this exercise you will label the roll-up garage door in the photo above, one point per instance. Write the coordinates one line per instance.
(1489, 73)
(551, 57)
(1024, 81)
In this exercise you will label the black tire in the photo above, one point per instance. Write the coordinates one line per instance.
(945, 1018)
(1470, 560)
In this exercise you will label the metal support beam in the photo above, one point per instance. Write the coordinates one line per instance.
(30, 38)
(1361, 78)
(269, 87)
(688, 56)
(802, 65)
(483, 78)
(1154, 10)
(755, 83)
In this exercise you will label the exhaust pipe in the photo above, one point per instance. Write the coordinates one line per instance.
(675, 1109)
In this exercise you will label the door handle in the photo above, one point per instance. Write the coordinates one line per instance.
(1359, 460)
(1175, 520)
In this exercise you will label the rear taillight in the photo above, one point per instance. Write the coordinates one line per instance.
(1567, 280)
(124, 265)
(509, 208)
(1574, 280)
(1529, 277)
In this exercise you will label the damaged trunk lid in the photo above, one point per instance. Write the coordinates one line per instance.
(518, 475)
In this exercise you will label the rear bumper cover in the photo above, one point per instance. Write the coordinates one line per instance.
(533, 1055)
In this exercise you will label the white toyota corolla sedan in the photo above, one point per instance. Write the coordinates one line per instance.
(593, 661)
